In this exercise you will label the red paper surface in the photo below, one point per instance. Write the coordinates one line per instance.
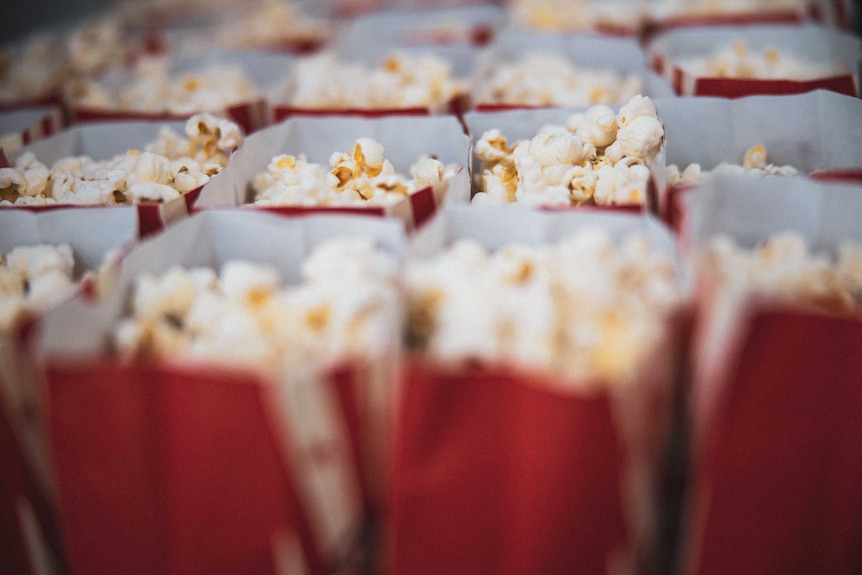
(13, 551)
(494, 473)
(738, 88)
(165, 471)
(780, 488)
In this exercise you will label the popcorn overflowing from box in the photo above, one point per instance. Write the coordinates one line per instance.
(754, 163)
(598, 158)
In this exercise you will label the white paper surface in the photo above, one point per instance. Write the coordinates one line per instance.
(404, 140)
(100, 141)
(751, 209)
(91, 232)
(812, 131)
(15, 121)
(77, 329)
(806, 41)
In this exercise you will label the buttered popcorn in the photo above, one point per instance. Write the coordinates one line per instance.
(362, 177)
(584, 308)
(154, 88)
(33, 279)
(168, 167)
(754, 163)
(739, 61)
(783, 268)
(547, 79)
(597, 158)
(346, 308)
(401, 80)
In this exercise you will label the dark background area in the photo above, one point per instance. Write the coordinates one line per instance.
(21, 17)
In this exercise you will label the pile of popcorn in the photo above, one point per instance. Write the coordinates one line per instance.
(33, 279)
(579, 15)
(49, 63)
(547, 79)
(782, 268)
(402, 80)
(362, 177)
(169, 167)
(598, 157)
(753, 164)
(346, 308)
(738, 61)
(583, 308)
(270, 24)
(154, 89)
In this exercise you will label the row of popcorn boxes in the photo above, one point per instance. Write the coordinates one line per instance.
(361, 75)
(639, 155)
(304, 433)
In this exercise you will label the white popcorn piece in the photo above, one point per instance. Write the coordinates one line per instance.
(782, 268)
(346, 308)
(754, 163)
(582, 307)
(362, 177)
(597, 158)
(169, 167)
(548, 79)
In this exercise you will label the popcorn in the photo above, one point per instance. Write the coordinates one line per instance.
(271, 23)
(33, 279)
(582, 308)
(738, 61)
(362, 177)
(402, 80)
(153, 88)
(754, 163)
(346, 308)
(598, 157)
(578, 16)
(166, 169)
(547, 79)
(782, 268)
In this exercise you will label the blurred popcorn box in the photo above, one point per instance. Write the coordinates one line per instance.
(813, 132)
(263, 71)
(28, 500)
(524, 124)
(668, 16)
(776, 455)
(21, 127)
(102, 141)
(476, 24)
(364, 47)
(176, 466)
(673, 53)
(506, 469)
(612, 18)
(590, 53)
(319, 138)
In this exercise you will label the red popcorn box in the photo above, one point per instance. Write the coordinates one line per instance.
(319, 138)
(316, 85)
(524, 124)
(717, 60)
(776, 460)
(177, 466)
(814, 133)
(620, 57)
(30, 540)
(21, 127)
(197, 70)
(103, 141)
(499, 468)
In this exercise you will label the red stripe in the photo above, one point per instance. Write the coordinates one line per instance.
(149, 220)
(424, 206)
(853, 175)
(25, 136)
(737, 88)
(47, 125)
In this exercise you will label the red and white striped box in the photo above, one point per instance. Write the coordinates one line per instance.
(102, 141)
(404, 140)
(28, 513)
(832, 49)
(24, 126)
(776, 458)
(813, 132)
(505, 469)
(176, 466)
